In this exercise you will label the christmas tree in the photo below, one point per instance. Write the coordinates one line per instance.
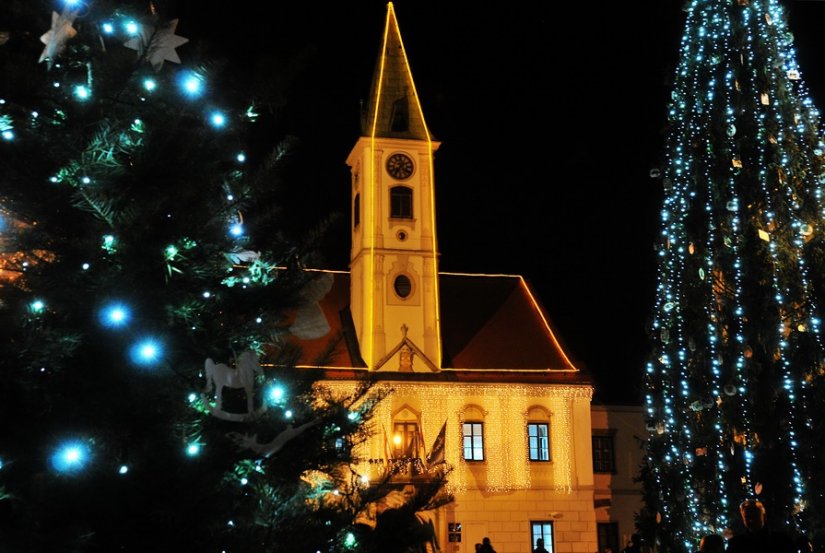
(735, 381)
(149, 400)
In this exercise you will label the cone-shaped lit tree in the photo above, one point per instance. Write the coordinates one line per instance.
(735, 389)
(147, 399)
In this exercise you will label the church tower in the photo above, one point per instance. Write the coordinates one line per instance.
(394, 296)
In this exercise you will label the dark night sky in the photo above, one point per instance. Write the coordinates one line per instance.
(550, 120)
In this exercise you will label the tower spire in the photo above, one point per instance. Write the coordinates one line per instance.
(393, 110)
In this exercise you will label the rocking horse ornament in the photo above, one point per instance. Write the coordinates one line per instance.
(220, 376)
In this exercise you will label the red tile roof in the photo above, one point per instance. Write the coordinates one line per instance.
(491, 327)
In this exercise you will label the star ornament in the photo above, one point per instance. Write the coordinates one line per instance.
(56, 37)
(157, 44)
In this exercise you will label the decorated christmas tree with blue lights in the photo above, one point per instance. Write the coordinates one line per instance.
(736, 380)
(149, 398)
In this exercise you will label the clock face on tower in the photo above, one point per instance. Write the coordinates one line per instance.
(400, 166)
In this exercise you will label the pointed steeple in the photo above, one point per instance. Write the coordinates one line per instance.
(393, 110)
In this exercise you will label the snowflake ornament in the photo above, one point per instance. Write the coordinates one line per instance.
(157, 43)
(56, 37)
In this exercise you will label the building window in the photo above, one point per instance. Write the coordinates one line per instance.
(401, 202)
(356, 211)
(608, 534)
(541, 529)
(405, 440)
(473, 441)
(402, 286)
(400, 116)
(538, 441)
(603, 458)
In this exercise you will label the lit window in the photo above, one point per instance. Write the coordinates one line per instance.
(603, 457)
(541, 530)
(538, 441)
(405, 440)
(401, 202)
(473, 441)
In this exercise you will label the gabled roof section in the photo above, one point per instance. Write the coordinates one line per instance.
(393, 109)
(493, 322)
(405, 341)
(489, 324)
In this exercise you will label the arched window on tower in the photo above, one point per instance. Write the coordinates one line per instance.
(401, 202)
(356, 211)
(400, 116)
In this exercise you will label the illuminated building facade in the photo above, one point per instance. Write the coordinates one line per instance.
(479, 379)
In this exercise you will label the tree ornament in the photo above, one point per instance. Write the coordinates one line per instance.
(157, 44)
(732, 205)
(739, 437)
(806, 230)
(310, 322)
(242, 256)
(267, 449)
(765, 100)
(737, 164)
(56, 37)
(731, 130)
(701, 451)
(655, 173)
(757, 488)
(729, 389)
(220, 376)
(793, 75)
(696, 406)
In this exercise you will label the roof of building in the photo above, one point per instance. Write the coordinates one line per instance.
(489, 324)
